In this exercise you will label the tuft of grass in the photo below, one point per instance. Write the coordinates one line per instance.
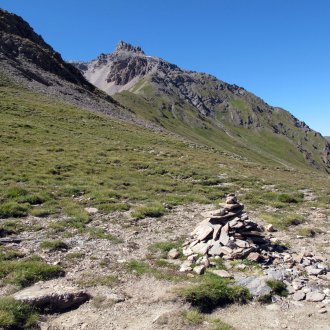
(213, 292)
(218, 324)
(278, 287)
(10, 227)
(283, 221)
(138, 267)
(56, 245)
(92, 280)
(15, 314)
(153, 210)
(75, 255)
(13, 209)
(164, 247)
(193, 316)
(9, 254)
(102, 234)
(26, 272)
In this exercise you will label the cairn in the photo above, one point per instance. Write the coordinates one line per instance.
(227, 233)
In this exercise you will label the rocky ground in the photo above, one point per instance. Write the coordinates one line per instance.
(122, 298)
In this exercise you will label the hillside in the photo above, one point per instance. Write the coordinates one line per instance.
(205, 109)
(98, 194)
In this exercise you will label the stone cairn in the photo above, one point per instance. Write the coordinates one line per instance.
(228, 233)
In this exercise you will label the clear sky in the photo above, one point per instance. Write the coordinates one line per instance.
(277, 49)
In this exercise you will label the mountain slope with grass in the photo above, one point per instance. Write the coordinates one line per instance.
(205, 109)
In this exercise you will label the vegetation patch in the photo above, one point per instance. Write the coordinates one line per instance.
(153, 210)
(278, 287)
(26, 272)
(56, 245)
(282, 220)
(162, 248)
(15, 314)
(213, 292)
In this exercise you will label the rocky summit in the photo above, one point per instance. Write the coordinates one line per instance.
(193, 104)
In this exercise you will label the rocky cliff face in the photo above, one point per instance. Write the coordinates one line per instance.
(18, 42)
(128, 68)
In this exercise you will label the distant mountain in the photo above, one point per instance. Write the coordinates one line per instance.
(205, 109)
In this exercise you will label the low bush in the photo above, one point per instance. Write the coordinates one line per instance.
(153, 210)
(213, 292)
(56, 245)
(26, 272)
(16, 314)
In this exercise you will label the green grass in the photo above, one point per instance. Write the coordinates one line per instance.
(213, 292)
(154, 210)
(278, 287)
(55, 245)
(162, 248)
(283, 220)
(16, 315)
(26, 272)
(92, 280)
(122, 166)
(193, 316)
(218, 324)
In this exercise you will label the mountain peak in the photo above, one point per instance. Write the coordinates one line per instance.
(124, 46)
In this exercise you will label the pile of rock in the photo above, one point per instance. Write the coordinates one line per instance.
(226, 233)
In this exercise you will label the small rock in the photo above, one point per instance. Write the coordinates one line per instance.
(270, 228)
(221, 273)
(173, 254)
(299, 295)
(199, 270)
(91, 210)
(322, 311)
(315, 296)
(254, 256)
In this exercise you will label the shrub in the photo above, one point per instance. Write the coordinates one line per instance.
(154, 210)
(27, 272)
(16, 314)
(213, 292)
(13, 209)
(278, 287)
(54, 245)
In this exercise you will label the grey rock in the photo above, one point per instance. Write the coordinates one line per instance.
(221, 273)
(216, 232)
(299, 295)
(315, 296)
(173, 254)
(199, 270)
(224, 237)
(256, 285)
(52, 297)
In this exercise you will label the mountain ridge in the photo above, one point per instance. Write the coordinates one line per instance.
(127, 73)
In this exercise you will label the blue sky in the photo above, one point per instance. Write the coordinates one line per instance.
(277, 49)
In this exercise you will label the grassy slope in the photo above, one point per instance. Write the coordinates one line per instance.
(256, 144)
(56, 158)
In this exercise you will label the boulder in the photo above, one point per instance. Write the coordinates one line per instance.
(52, 297)
(315, 296)
(173, 254)
(256, 285)
(221, 273)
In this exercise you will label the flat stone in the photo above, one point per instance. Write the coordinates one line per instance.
(226, 250)
(221, 273)
(256, 285)
(199, 270)
(224, 237)
(314, 271)
(52, 296)
(254, 256)
(203, 232)
(187, 252)
(173, 254)
(201, 248)
(270, 228)
(216, 232)
(91, 210)
(242, 244)
(277, 274)
(215, 250)
(186, 266)
(299, 295)
(315, 296)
